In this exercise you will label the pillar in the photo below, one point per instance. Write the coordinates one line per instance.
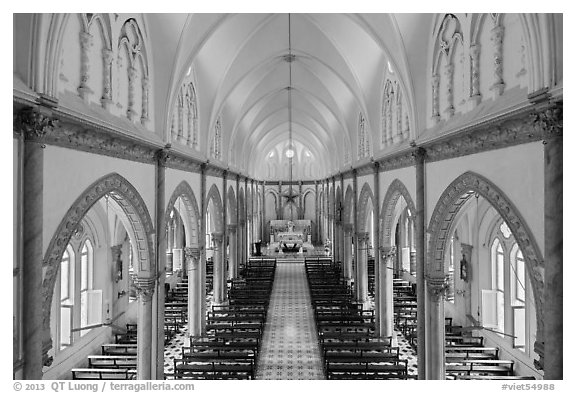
(192, 256)
(169, 245)
(202, 238)
(347, 252)
(419, 155)
(145, 293)
(158, 308)
(86, 42)
(435, 359)
(218, 268)
(385, 292)
(33, 125)
(362, 267)
(224, 276)
(233, 265)
(355, 226)
(265, 235)
(376, 244)
(316, 215)
(550, 122)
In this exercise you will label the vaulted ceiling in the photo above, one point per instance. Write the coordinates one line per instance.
(241, 75)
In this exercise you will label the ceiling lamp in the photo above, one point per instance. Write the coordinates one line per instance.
(290, 195)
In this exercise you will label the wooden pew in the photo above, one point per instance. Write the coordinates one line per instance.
(103, 373)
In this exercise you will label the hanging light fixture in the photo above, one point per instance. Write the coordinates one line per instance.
(290, 151)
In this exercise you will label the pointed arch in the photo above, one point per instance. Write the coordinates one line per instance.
(396, 190)
(138, 217)
(232, 211)
(218, 215)
(190, 212)
(365, 195)
(443, 218)
(348, 201)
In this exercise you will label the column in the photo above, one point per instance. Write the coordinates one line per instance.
(497, 40)
(466, 276)
(233, 265)
(265, 236)
(108, 59)
(386, 304)
(362, 271)
(378, 300)
(316, 215)
(145, 94)
(169, 245)
(132, 74)
(33, 126)
(347, 252)
(202, 237)
(158, 340)
(355, 226)
(145, 292)
(551, 123)
(218, 268)
(419, 155)
(435, 359)
(85, 45)
(192, 256)
(224, 276)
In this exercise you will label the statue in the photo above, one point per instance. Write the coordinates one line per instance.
(464, 268)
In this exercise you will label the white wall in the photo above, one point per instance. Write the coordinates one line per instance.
(518, 171)
(68, 173)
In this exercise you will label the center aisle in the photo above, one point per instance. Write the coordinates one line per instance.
(290, 343)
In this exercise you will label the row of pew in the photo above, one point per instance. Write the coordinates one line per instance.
(230, 347)
(346, 331)
(466, 357)
(118, 360)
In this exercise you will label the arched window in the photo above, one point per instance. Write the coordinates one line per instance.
(504, 305)
(86, 284)
(66, 299)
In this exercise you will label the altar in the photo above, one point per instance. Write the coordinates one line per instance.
(290, 236)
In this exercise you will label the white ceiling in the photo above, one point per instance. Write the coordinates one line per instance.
(240, 74)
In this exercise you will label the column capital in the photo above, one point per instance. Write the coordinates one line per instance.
(387, 252)
(34, 124)
(550, 121)
(363, 236)
(145, 288)
(192, 252)
(348, 228)
(217, 237)
(437, 287)
(163, 155)
(418, 153)
(232, 228)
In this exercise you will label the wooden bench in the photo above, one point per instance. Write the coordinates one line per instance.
(112, 361)
(480, 367)
(103, 373)
(365, 369)
(119, 349)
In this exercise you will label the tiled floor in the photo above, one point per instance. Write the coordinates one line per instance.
(290, 343)
(290, 346)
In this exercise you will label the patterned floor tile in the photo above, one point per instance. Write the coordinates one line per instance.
(289, 346)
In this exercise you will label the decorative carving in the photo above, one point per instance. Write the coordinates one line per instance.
(437, 287)
(455, 195)
(130, 201)
(232, 229)
(496, 134)
(475, 73)
(34, 124)
(86, 43)
(363, 238)
(107, 59)
(132, 75)
(145, 292)
(435, 97)
(449, 74)
(163, 156)
(497, 38)
(549, 121)
(93, 138)
(145, 91)
(79, 231)
(396, 190)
